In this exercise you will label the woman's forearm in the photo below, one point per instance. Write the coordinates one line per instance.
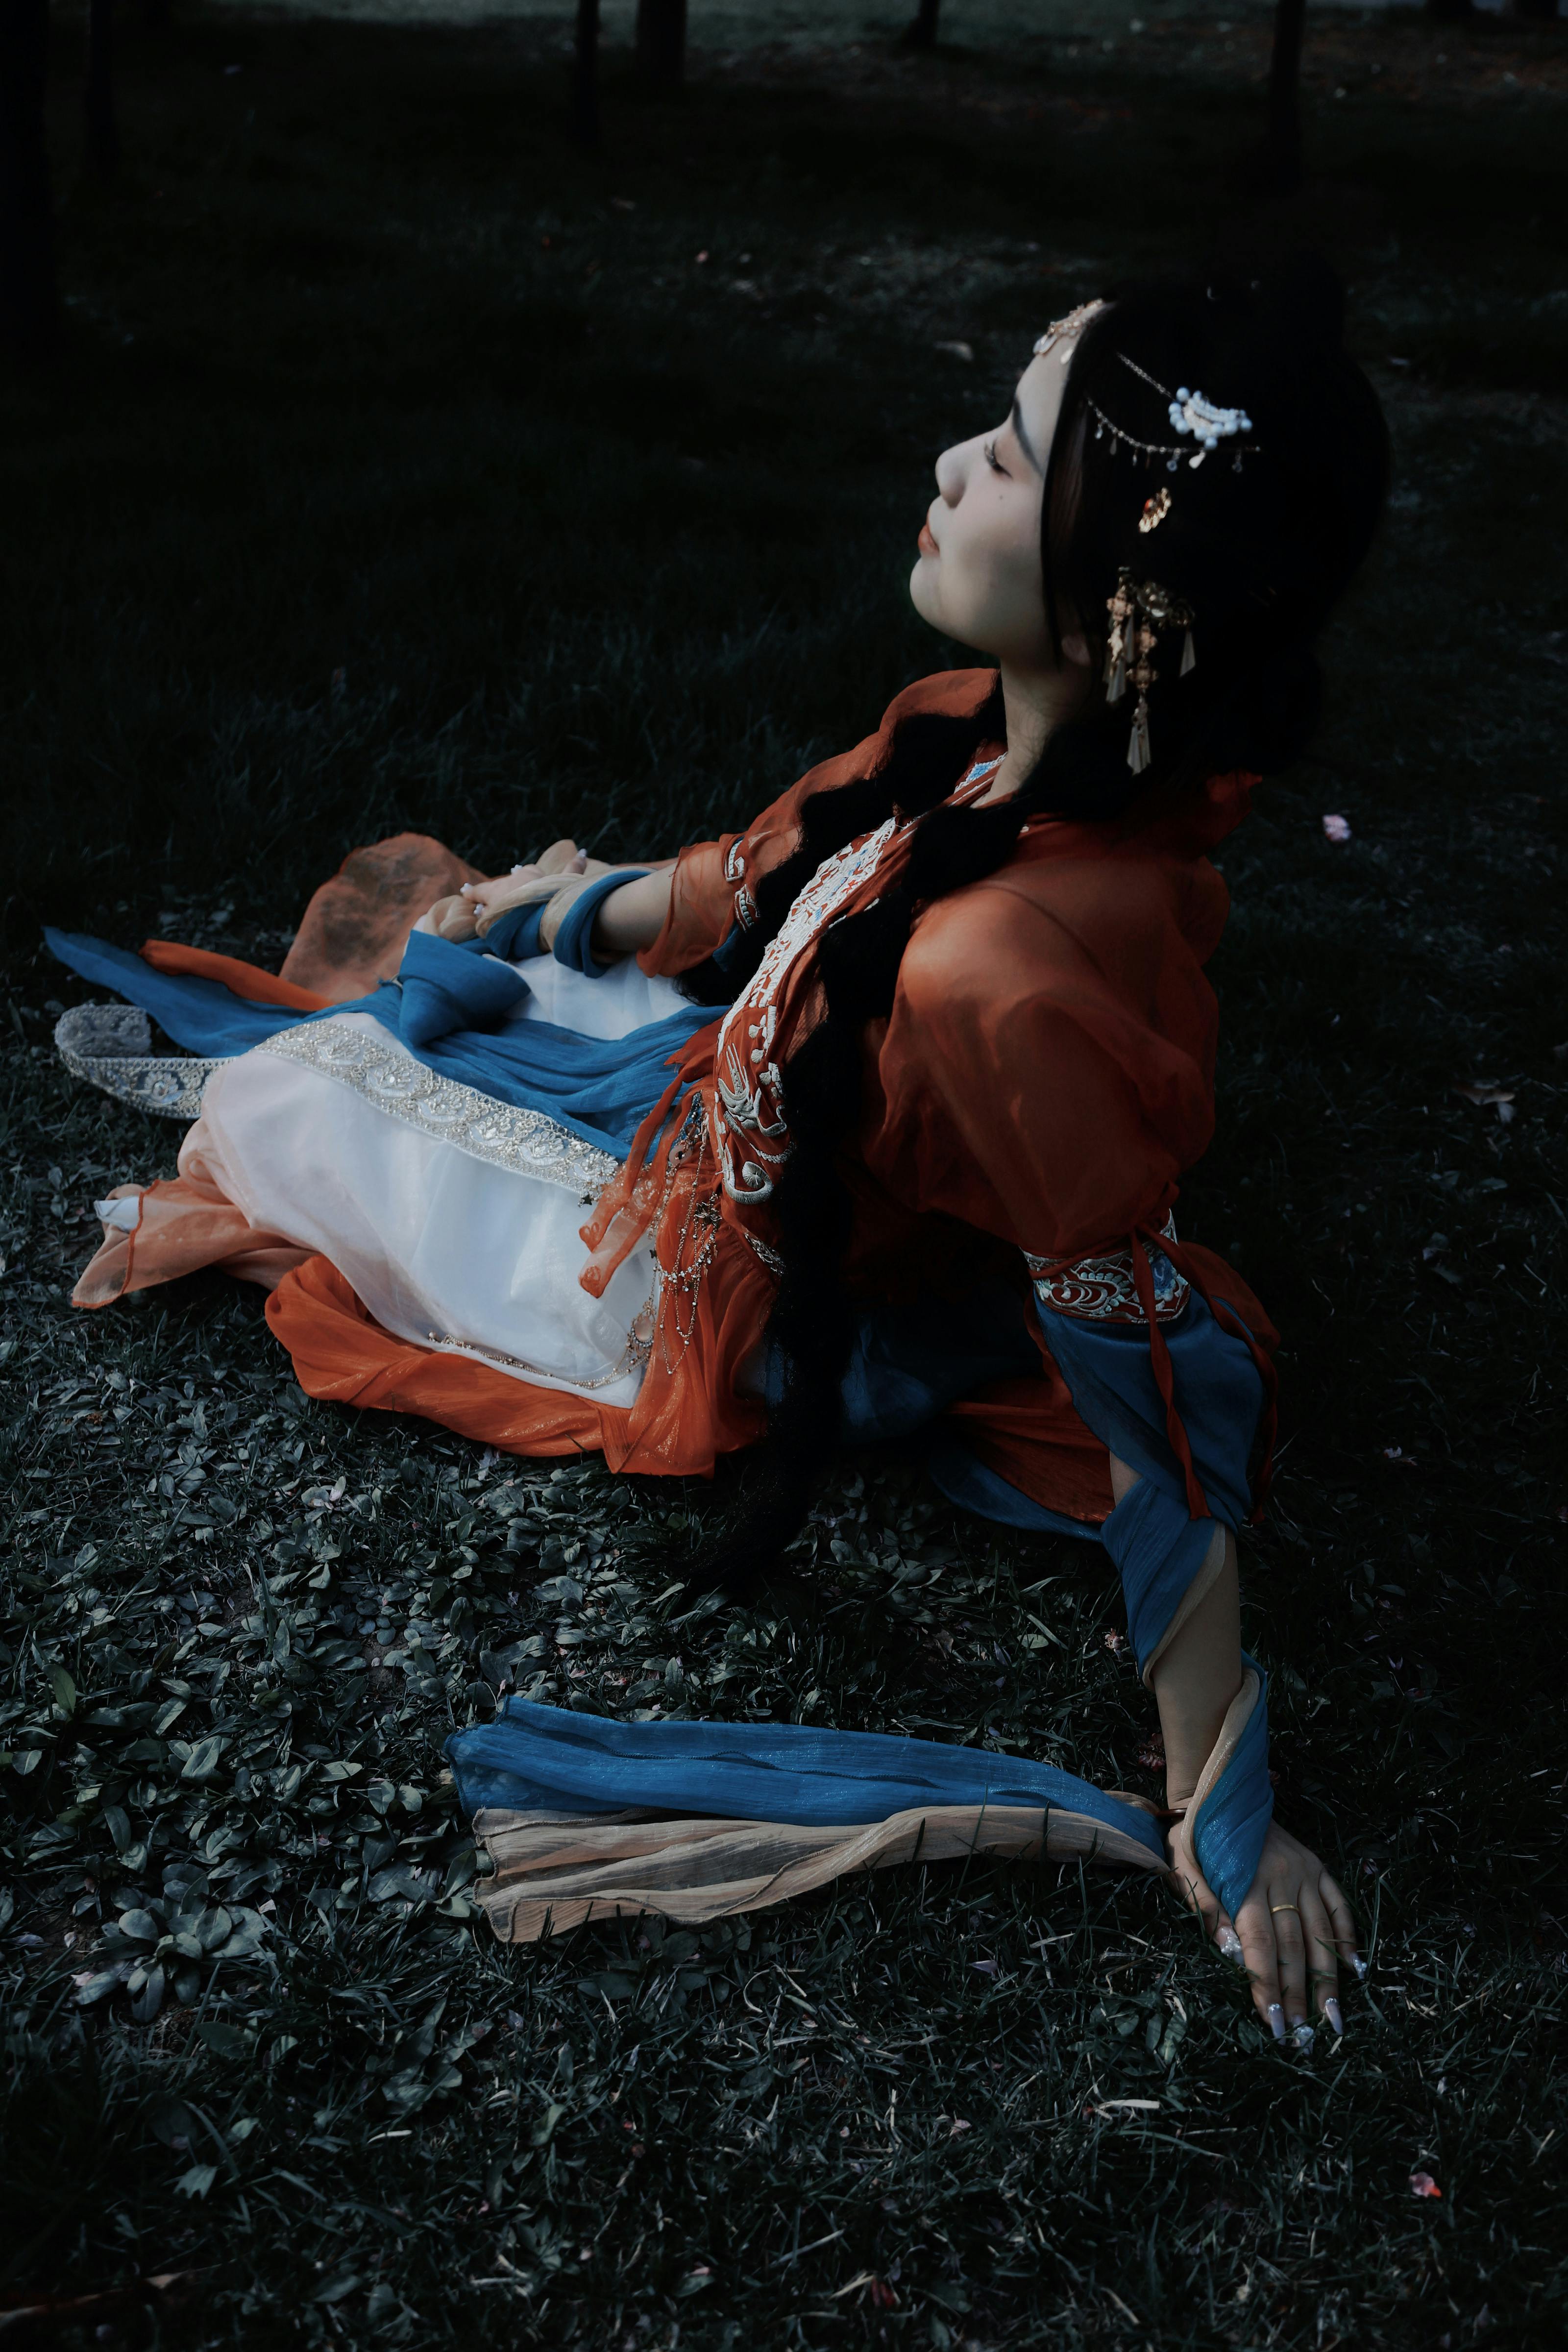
(633, 917)
(1199, 1673)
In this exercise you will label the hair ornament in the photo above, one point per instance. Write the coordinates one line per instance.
(1156, 510)
(1190, 414)
(1068, 330)
(1140, 611)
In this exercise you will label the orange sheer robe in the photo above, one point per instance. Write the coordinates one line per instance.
(1045, 1077)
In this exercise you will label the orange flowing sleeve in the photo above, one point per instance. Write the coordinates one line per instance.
(1047, 1070)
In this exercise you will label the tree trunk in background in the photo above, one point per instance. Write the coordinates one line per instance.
(1282, 153)
(29, 304)
(97, 99)
(922, 33)
(661, 42)
(585, 76)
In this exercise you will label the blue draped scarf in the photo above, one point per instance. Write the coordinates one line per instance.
(454, 1008)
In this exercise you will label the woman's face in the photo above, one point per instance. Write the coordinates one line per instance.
(978, 578)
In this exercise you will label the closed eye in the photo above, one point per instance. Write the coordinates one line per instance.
(992, 459)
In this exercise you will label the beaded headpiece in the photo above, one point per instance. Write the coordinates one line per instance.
(1203, 421)
(1140, 610)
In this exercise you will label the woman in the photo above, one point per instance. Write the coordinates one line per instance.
(944, 1048)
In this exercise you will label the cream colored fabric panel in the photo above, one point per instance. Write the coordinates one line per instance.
(555, 1871)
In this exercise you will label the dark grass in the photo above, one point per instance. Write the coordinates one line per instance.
(599, 542)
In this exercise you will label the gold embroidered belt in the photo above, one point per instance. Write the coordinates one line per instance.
(1104, 1289)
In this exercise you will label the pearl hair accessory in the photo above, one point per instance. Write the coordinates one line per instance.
(1190, 414)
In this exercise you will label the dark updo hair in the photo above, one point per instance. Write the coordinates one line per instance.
(1259, 551)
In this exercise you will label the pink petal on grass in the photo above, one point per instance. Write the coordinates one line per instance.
(1336, 828)
(1423, 2185)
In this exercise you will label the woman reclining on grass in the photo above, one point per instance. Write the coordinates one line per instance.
(942, 1047)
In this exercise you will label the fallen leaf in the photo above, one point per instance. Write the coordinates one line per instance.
(1423, 2185)
(1336, 828)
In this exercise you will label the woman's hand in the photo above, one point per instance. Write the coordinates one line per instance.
(448, 918)
(564, 866)
(1291, 1934)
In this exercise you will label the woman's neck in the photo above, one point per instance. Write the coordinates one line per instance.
(1037, 702)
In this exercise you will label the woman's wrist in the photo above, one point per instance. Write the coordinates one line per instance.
(1198, 1675)
(633, 917)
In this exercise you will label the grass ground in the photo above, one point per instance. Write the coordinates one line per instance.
(407, 468)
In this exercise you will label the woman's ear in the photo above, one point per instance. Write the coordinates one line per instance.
(1074, 649)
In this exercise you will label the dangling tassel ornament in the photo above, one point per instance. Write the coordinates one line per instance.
(1138, 752)
(1116, 667)
(1138, 611)
(1121, 608)
(1141, 674)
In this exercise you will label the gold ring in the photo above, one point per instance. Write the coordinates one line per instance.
(1285, 1907)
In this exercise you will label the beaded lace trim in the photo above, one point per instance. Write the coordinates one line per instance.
(633, 1356)
(753, 1141)
(107, 1045)
(525, 1141)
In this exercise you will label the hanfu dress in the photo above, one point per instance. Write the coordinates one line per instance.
(553, 1231)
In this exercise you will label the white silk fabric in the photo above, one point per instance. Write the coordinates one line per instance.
(444, 1248)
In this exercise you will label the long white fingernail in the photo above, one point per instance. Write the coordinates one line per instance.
(1229, 1943)
(1276, 2016)
(1331, 2011)
(1303, 2037)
